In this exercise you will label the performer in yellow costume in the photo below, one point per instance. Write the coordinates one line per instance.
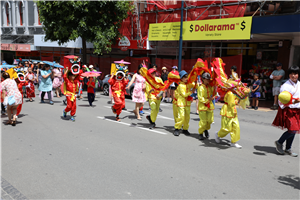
(175, 108)
(154, 99)
(184, 103)
(236, 92)
(206, 107)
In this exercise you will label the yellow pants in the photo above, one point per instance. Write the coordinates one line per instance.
(154, 105)
(175, 113)
(183, 117)
(206, 118)
(232, 126)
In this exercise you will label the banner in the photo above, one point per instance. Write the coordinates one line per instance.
(238, 28)
(15, 47)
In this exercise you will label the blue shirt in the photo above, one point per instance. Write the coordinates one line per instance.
(278, 73)
(46, 83)
(256, 84)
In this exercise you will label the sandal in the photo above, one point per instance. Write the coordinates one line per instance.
(13, 123)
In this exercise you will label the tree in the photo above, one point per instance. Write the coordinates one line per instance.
(97, 22)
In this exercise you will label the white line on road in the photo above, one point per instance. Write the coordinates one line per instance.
(158, 116)
(162, 133)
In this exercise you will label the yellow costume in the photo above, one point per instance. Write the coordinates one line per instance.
(205, 107)
(175, 108)
(230, 122)
(153, 101)
(184, 105)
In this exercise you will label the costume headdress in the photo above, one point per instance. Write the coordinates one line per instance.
(75, 69)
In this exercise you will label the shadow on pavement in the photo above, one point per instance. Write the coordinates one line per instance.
(86, 105)
(290, 180)
(265, 150)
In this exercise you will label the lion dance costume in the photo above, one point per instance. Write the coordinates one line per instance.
(118, 84)
(71, 86)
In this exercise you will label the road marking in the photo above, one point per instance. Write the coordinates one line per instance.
(147, 129)
(158, 116)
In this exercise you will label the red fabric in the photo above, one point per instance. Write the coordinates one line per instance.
(19, 108)
(90, 89)
(47, 58)
(119, 103)
(118, 86)
(187, 64)
(71, 106)
(71, 86)
(288, 118)
(30, 91)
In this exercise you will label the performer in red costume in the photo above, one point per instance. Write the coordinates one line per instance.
(20, 82)
(118, 84)
(30, 90)
(71, 84)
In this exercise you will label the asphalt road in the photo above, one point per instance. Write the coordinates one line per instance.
(95, 157)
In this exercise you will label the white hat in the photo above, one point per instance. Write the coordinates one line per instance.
(91, 66)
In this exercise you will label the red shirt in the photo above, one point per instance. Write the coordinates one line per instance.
(71, 86)
(118, 85)
(90, 89)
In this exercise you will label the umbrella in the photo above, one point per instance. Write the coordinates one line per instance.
(58, 65)
(122, 61)
(7, 66)
(90, 74)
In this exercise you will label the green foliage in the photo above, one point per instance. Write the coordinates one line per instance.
(95, 21)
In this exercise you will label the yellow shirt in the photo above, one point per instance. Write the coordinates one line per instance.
(184, 91)
(204, 93)
(154, 93)
(229, 108)
(175, 96)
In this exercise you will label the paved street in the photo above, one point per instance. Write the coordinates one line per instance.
(48, 157)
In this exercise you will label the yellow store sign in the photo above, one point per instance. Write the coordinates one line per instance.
(238, 28)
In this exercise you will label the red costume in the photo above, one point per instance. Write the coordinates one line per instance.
(118, 93)
(20, 87)
(71, 90)
(30, 91)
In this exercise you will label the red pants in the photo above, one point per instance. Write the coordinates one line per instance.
(119, 104)
(19, 108)
(30, 91)
(71, 106)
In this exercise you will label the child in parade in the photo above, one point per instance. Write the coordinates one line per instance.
(184, 104)
(71, 89)
(229, 121)
(153, 98)
(90, 90)
(288, 115)
(20, 80)
(255, 94)
(30, 90)
(205, 106)
(118, 84)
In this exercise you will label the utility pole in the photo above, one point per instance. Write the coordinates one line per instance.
(180, 38)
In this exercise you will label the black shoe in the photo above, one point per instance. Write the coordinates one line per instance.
(176, 132)
(252, 107)
(201, 137)
(160, 110)
(255, 108)
(149, 119)
(206, 134)
(152, 126)
(186, 132)
(124, 108)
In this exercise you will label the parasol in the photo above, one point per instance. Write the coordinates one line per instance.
(122, 62)
(90, 74)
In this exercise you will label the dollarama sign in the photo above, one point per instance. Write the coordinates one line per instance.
(238, 28)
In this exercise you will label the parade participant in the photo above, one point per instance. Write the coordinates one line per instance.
(118, 83)
(175, 107)
(46, 84)
(57, 81)
(90, 90)
(30, 90)
(71, 87)
(10, 89)
(153, 98)
(20, 80)
(184, 104)
(164, 77)
(236, 92)
(288, 115)
(206, 94)
(138, 94)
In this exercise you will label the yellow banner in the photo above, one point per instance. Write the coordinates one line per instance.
(238, 28)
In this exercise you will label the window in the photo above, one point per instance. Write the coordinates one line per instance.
(7, 13)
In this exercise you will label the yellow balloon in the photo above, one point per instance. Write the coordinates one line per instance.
(285, 97)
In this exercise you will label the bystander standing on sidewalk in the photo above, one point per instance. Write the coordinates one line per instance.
(277, 76)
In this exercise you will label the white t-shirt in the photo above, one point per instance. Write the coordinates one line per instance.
(294, 89)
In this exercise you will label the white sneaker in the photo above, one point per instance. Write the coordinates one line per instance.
(217, 139)
(236, 145)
